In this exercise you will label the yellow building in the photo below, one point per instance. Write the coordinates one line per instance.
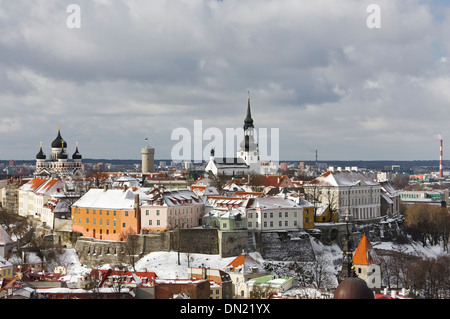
(324, 214)
(6, 268)
(308, 213)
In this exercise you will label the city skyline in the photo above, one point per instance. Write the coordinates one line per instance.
(137, 69)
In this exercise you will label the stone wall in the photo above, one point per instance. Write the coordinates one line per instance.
(232, 243)
(284, 245)
(94, 252)
(196, 240)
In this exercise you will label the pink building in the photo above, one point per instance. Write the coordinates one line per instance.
(170, 209)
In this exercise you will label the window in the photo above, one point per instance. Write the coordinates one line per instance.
(150, 222)
(124, 225)
(87, 220)
(157, 222)
(126, 213)
(157, 212)
(286, 214)
(114, 222)
(146, 212)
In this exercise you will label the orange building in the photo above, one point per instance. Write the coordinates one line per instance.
(107, 214)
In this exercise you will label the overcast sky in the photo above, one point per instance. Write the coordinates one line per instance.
(139, 69)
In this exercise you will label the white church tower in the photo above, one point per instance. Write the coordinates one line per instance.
(249, 151)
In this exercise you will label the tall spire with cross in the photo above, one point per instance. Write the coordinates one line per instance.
(248, 122)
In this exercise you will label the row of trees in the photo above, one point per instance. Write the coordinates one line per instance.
(428, 224)
(425, 277)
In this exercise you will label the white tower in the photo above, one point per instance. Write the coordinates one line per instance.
(148, 157)
(249, 148)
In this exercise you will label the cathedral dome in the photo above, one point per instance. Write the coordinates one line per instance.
(62, 155)
(59, 141)
(77, 154)
(41, 154)
(353, 288)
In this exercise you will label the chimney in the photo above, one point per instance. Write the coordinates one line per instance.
(441, 166)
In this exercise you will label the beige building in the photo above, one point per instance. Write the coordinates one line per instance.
(243, 268)
(346, 191)
(35, 196)
(169, 209)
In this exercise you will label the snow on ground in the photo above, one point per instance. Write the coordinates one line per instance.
(413, 248)
(165, 264)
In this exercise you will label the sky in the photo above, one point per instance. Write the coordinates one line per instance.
(113, 73)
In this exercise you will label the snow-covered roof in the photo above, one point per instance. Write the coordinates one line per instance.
(343, 178)
(244, 264)
(106, 199)
(271, 203)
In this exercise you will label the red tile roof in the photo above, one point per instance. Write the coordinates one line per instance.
(365, 254)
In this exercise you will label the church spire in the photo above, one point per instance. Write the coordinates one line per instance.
(248, 122)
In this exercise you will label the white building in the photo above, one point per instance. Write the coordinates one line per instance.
(243, 268)
(34, 196)
(273, 213)
(346, 190)
(247, 158)
(367, 264)
(59, 164)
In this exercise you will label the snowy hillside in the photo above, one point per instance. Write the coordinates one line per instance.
(165, 264)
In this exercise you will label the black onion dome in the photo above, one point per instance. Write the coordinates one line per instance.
(353, 288)
(59, 141)
(76, 155)
(40, 155)
(62, 155)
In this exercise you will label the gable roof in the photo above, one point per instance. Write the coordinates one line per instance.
(4, 237)
(245, 264)
(365, 254)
